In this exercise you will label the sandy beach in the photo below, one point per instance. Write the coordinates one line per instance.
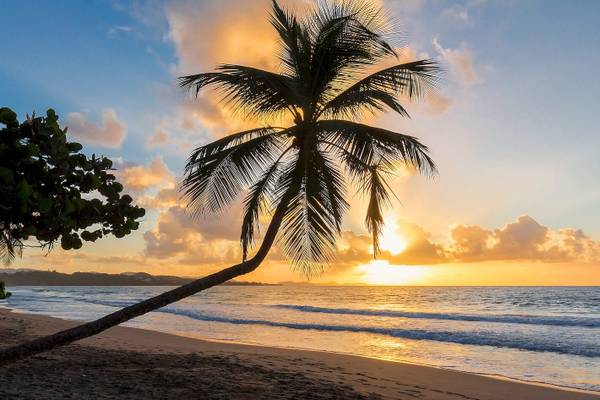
(140, 364)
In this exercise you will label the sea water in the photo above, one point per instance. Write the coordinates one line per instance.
(542, 334)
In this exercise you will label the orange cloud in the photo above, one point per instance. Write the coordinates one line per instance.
(158, 138)
(164, 198)
(416, 247)
(578, 245)
(213, 32)
(239, 32)
(110, 133)
(192, 240)
(524, 239)
(139, 178)
(216, 240)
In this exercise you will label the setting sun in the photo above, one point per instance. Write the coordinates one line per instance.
(391, 240)
(380, 272)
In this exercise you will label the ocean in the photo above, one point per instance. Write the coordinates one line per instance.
(541, 334)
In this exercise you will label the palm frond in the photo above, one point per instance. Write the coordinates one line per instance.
(372, 183)
(10, 248)
(256, 202)
(296, 47)
(227, 142)
(356, 32)
(313, 217)
(372, 145)
(251, 91)
(353, 105)
(347, 36)
(382, 88)
(375, 186)
(214, 181)
(335, 186)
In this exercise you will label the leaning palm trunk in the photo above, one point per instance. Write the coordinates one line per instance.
(83, 331)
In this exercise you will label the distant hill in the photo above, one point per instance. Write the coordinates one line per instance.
(52, 278)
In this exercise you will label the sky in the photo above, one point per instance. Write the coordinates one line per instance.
(512, 127)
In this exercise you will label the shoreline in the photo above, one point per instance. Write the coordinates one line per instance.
(362, 374)
(302, 349)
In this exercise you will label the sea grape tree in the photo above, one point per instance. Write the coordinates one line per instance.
(50, 191)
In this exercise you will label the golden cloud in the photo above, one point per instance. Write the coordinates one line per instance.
(195, 241)
(215, 243)
(524, 239)
(139, 178)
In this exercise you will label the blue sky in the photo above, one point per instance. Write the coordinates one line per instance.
(517, 132)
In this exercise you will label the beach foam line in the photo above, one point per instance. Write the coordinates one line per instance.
(512, 339)
(477, 338)
(586, 322)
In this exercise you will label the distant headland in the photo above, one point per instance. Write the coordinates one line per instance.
(32, 277)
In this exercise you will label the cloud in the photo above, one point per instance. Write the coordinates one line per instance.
(470, 242)
(460, 61)
(578, 245)
(180, 239)
(205, 112)
(524, 239)
(158, 138)
(139, 178)
(110, 133)
(239, 32)
(418, 248)
(192, 240)
(164, 198)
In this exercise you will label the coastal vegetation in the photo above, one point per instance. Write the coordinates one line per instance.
(51, 192)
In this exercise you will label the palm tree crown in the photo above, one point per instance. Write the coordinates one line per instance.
(324, 82)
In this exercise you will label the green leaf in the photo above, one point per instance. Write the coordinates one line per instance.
(8, 117)
(69, 206)
(6, 175)
(51, 114)
(75, 147)
(24, 191)
(44, 204)
(33, 149)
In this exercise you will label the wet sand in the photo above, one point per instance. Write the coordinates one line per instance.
(129, 363)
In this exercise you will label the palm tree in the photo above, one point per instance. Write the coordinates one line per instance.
(295, 175)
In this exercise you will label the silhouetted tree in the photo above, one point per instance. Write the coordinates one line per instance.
(294, 174)
(50, 191)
